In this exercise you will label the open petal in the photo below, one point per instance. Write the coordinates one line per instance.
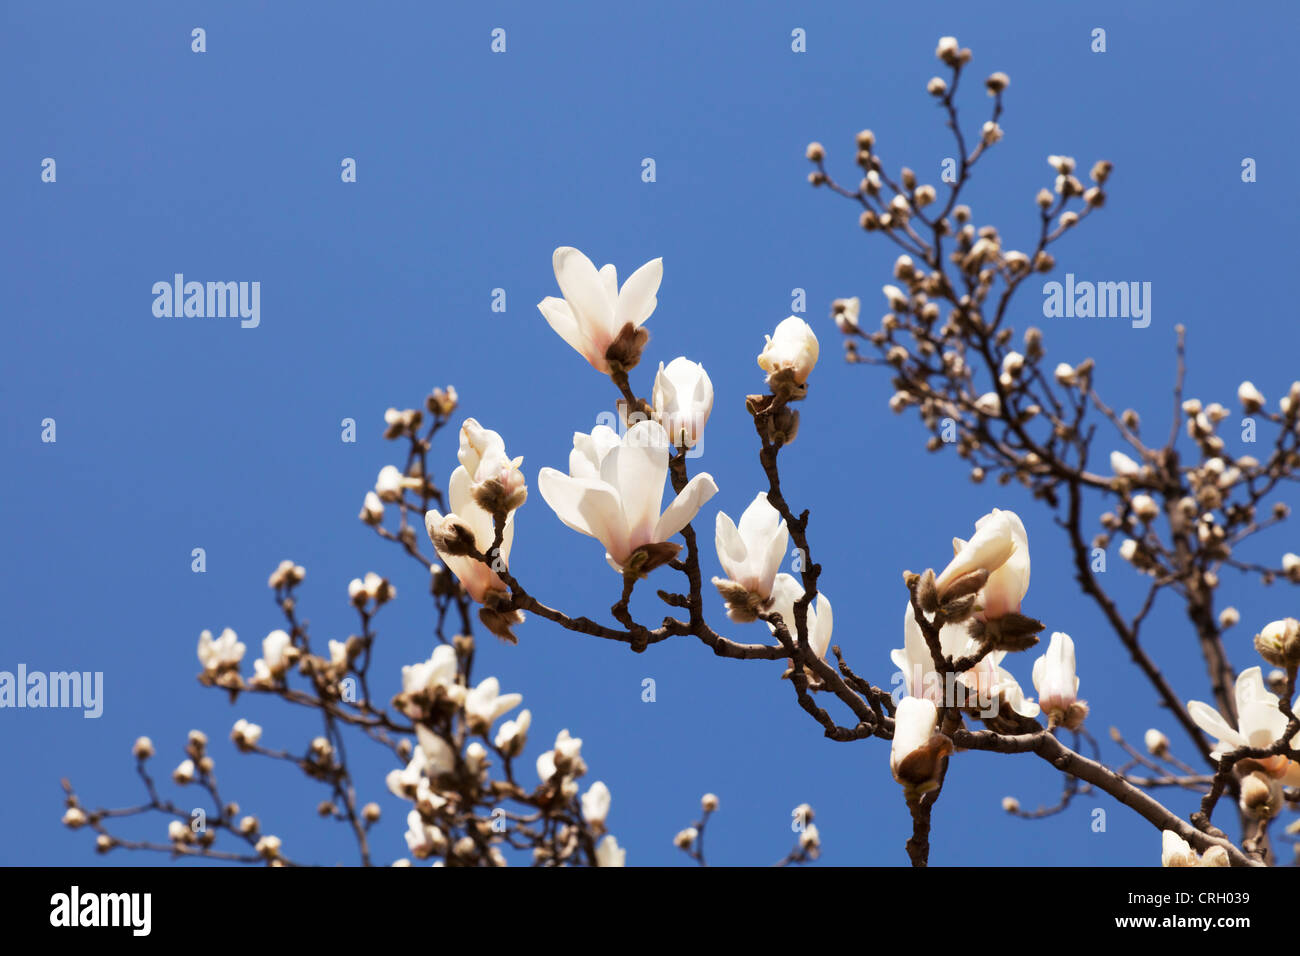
(637, 469)
(1250, 687)
(560, 318)
(583, 289)
(685, 506)
(587, 505)
(637, 299)
(1212, 722)
(609, 281)
(731, 549)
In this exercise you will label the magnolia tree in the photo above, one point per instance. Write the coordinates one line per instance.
(1181, 507)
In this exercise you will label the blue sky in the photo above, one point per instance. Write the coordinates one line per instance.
(472, 166)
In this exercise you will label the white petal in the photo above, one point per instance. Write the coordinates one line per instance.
(685, 506)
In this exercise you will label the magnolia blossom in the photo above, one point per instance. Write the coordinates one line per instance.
(791, 348)
(423, 839)
(595, 804)
(917, 750)
(683, 399)
(513, 735)
(751, 553)
(277, 654)
(1123, 465)
(566, 758)
(437, 756)
(1250, 397)
(595, 313)
(608, 853)
(1260, 723)
(427, 676)
(984, 685)
(1057, 685)
(786, 592)
(485, 703)
(1175, 851)
(223, 653)
(468, 515)
(846, 312)
(614, 490)
(245, 734)
(496, 482)
(392, 483)
(1000, 547)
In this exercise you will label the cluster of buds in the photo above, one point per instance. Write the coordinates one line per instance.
(220, 658)
(392, 484)
(442, 402)
(286, 575)
(1175, 851)
(278, 655)
(371, 588)
(402, 422)
(245, 734)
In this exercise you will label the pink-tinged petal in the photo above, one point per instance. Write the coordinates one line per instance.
(988, 549)
(685, 506)
(637, 299)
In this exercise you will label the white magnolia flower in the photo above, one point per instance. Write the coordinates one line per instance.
(999, 546)
(372, 509)
(477, 577)
(751, 553)
(275, 659)
(792, 347)
(245, 733)
(1260, 723)
(423, 839)
(224, 652)
(595, 804)
(594, 310)
(485, 703)
(513, 735)
(391, 483)
(1250, 397)
(1175, 851)
(435, 755)
(1123, 465)
(846, 312)
(1056, 682)
(917, 748)
(984, 684)
(786, 592)
(608, 853)
(613, 493)
(567, 756)
(338, 654)
(683, 400)
(427, 676)
(494, 476)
